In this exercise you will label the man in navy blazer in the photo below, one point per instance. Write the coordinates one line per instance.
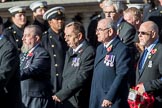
(149, 74)
(35, 70)
(126, 32)
(109, 84)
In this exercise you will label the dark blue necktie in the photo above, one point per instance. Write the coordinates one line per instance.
(142, 60)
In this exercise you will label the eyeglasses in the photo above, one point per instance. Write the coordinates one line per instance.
(109, 12)
(143, 33)
(100, 29)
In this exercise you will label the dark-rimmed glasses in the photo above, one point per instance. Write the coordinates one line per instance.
(143, 33)
(109, 12)
(100, 29)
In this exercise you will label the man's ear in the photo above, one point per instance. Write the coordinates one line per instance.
(111, 31)
(154, 34)
(50, 22)
(34, 13)
(80, 36)
(137, 22)
(37, 38)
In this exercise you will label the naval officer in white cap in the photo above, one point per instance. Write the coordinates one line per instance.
(39, 8)
(54, 43)
(15, 32)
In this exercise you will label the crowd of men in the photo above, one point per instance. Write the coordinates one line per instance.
(47, 64)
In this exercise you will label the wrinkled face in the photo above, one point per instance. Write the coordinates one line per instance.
(71, 38)
(102, 32)
(145, 36)
(19, 19)
(56, 24)
(29, 40)
(39, 13)
(110, 12)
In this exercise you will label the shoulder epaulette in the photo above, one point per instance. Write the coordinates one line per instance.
(9, 28)
(44, 33)
(97, 17)
(153, 9)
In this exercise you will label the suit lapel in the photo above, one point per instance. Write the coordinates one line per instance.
(105, 51)
(78, 53)
(150, 58)
(101, 54)
(2, 41)
(138, 65)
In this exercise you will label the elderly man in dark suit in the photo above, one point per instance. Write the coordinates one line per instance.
(10, 94)
(78, 69)
(35, 70)
(109, 84)
(149, 70)
(126, 32)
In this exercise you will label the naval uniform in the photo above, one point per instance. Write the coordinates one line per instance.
(14, 34)
(56, 46)
(44, 27)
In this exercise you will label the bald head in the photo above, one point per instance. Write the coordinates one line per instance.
(150, 25)
(148, 33)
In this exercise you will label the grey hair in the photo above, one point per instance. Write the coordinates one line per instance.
(112, 25)
(37, 29)
(108, 3)
(78, 27)
(120, 6)
(155, 27)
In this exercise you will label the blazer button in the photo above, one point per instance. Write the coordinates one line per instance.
(17, 40)
(52, 46)
(57, 74)
(50, 36)
(54, 55)
(56, 65)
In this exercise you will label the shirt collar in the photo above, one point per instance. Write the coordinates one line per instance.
(152, 45)
(1, 36)
(76, 49)
(108, 44)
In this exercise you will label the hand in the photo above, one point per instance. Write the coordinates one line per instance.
(56, 98)
(140, 89)
(106, 103)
